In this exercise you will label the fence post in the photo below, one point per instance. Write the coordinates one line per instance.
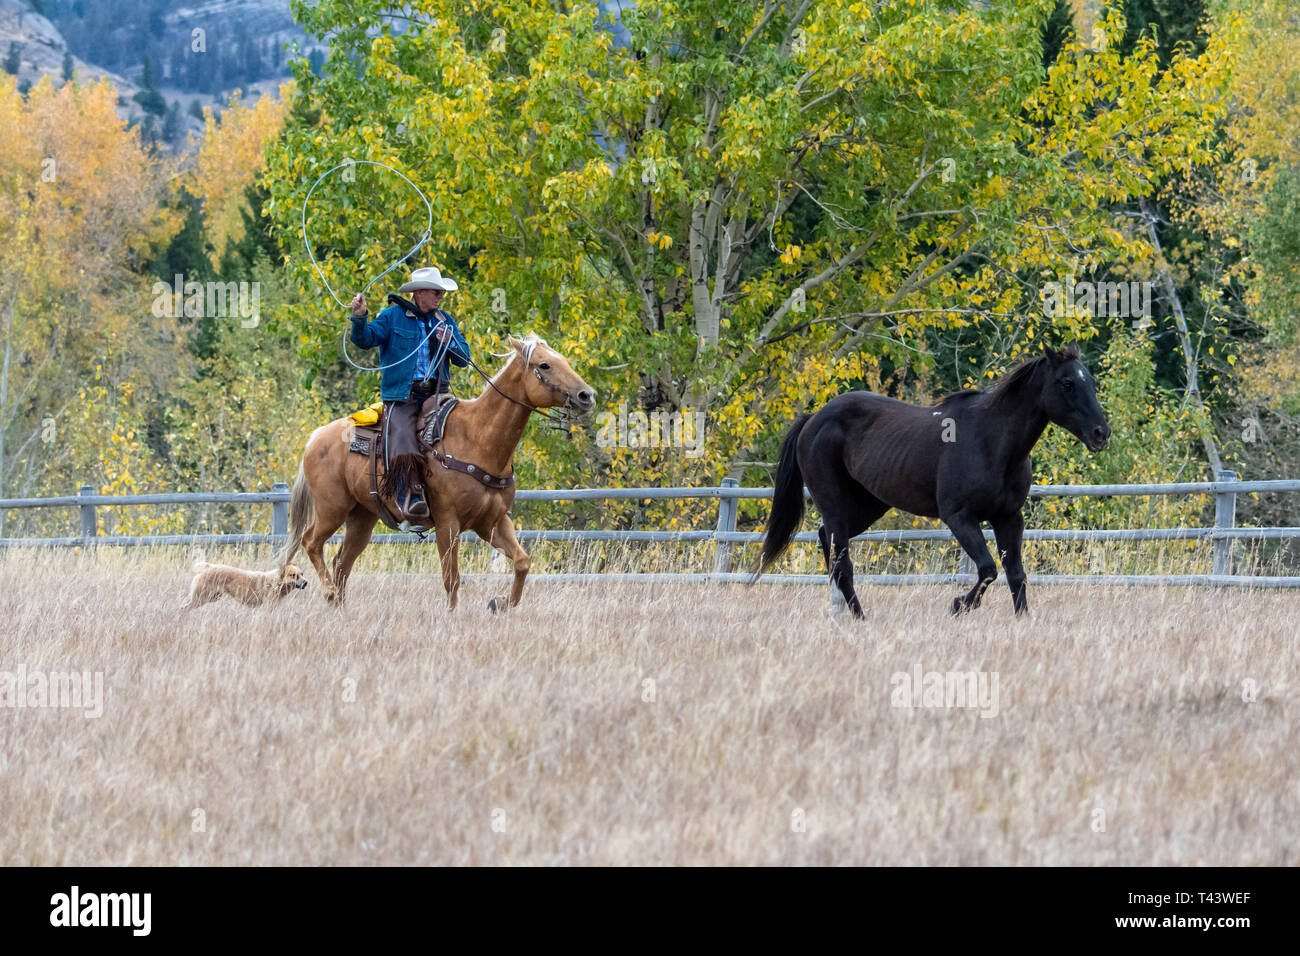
(726, 522)
(279, 512)
(89, 527)
(966, 565)
(1225, 517)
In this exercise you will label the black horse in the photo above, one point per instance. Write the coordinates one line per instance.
(964, 460)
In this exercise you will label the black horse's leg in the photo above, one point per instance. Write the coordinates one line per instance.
(842, 592)
(840, 568)
(846, 508)
(837, 597)
(1009, 530)
(968, 534)
(834, 537)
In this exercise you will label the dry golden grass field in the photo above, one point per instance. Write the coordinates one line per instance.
(639, 724)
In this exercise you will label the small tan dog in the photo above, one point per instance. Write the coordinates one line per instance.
(253, 588)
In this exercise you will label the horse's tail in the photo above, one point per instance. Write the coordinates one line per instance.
(787, 500)
(302, 511)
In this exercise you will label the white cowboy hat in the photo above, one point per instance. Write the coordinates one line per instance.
(428, 279)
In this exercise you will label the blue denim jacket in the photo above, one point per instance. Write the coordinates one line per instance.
(397, 331)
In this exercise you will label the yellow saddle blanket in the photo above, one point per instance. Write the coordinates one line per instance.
(368, 416)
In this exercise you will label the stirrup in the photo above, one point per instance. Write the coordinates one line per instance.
(408, 506)
(420, 531)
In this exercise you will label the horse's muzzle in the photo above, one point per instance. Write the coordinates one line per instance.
(1098, 438)
(580, 403)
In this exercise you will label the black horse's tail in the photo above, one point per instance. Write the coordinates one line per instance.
(787, 500)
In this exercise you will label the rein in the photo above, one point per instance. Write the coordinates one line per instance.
(541, 378)
(499, 482)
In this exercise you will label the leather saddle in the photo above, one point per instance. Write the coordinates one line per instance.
(432, 422)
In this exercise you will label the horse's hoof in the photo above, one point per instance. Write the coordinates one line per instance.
(492, 606)
(957, 606)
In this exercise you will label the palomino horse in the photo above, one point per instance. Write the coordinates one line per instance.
(333, 485)
(965, 460)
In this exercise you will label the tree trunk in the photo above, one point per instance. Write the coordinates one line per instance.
(1189, 355)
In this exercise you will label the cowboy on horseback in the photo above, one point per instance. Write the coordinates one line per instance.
(472, 487)
(417, 341)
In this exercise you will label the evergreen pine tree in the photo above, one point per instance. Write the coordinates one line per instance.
(172, 124)
(256, 240)
(1171, 21)
(187, 256)
(1057, 31)
(150, 100)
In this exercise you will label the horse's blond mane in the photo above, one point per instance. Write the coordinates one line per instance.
(531, 340)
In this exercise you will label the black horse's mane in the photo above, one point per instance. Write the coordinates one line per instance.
(1016, 377)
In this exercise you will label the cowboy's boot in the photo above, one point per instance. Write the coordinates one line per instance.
(411, 501)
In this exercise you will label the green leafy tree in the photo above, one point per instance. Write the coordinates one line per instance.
(747, 208)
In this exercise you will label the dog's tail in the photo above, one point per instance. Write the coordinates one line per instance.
(302, 511)
(787, 500)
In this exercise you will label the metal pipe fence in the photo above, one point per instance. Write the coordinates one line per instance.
(724, 535)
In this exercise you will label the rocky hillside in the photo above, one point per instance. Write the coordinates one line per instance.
(37, 48)
(198, 48)
(168, 61)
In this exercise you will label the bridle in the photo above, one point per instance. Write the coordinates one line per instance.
(528, 365)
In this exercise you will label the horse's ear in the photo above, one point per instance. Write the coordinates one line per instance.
(1052, 354)
(514, 343)
(1071, 351)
